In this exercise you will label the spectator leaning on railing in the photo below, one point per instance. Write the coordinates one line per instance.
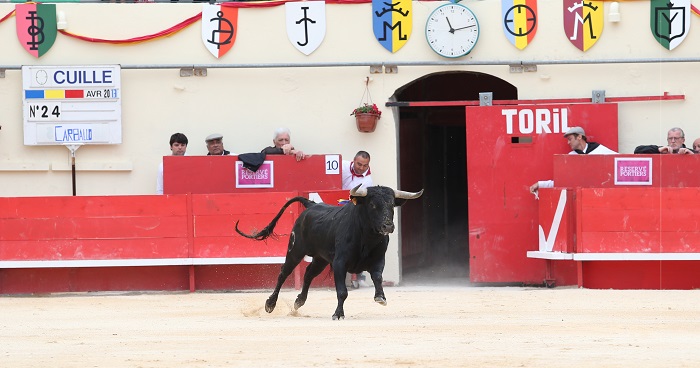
(675, 140)
(576, 138)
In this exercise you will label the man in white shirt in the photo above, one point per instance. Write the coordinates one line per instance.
(576, 138)
(178, 147)
(357, 171)
(353, 173)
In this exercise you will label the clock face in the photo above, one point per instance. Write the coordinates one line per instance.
(452, 30)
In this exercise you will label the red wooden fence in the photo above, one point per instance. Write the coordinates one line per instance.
(168, 242)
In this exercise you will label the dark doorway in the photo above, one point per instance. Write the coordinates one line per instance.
(432, 156)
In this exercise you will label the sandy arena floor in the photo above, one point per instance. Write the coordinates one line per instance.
(422, 326)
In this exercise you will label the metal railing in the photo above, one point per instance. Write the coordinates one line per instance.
(400, 63)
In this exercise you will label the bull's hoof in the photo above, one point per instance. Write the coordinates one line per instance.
(270, 305)
(380, 299)
(299, 303)
(337, 317)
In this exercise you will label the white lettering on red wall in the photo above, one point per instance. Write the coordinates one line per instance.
(538, 121)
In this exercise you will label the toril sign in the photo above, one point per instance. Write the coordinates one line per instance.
(528, 121)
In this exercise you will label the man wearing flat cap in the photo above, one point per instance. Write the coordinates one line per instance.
(576, 138)
(215, 145)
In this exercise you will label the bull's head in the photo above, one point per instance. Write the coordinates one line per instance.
(378, 205)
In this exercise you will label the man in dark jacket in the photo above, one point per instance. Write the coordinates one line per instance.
(282, 145)
(676, 144)
(215, 145)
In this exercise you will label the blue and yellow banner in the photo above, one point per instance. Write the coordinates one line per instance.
(392, 23)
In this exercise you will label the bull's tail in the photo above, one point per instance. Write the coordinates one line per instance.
(267, 231)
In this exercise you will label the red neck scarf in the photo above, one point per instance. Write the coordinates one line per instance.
(353, 174)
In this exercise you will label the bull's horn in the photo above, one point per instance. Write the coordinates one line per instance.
(357, 192)
(407, 195)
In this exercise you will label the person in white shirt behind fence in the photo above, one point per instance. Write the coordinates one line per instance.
(357, 171)
(576, 138)
(353, 173)
(178, 147)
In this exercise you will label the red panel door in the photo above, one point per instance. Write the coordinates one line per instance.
(508, 149)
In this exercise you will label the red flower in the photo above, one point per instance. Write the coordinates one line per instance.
(367, 109)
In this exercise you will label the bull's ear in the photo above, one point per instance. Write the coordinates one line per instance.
(358, 200)
(398, 202)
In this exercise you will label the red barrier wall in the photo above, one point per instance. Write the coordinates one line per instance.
(184, 240)
(216, 174)
(598, 171)
(629, 236)
(640, 220)
(54, 228)
(131, 229)
(509, 147)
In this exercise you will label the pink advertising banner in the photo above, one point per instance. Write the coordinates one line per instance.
(633, 171)
(262, 178)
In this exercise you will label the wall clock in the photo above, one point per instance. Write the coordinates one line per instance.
(452, 30)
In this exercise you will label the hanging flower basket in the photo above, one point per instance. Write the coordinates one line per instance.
(366, 117)
(368, 113)
(366, 122)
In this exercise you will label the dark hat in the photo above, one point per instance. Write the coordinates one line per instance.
(213, 136)
(252, 161)
(575, 130)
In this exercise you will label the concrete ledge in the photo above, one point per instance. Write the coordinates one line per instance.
(25, 166)
(94, 166)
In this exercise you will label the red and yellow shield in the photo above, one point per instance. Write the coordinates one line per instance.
(519, 21)
(583, 22)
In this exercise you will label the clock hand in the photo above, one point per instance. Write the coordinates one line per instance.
(464, 27)
(452, 30)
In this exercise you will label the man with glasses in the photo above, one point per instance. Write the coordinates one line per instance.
(675, 144)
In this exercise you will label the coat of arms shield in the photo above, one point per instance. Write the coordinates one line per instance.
(670, 21)
(219, 28)
(519, 21)
(392, 23)
(306, 24)
(36, 27)
(583, 22)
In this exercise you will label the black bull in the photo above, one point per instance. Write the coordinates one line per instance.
(352, 238)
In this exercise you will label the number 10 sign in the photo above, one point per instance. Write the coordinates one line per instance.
(72, 104)
(332, 164)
